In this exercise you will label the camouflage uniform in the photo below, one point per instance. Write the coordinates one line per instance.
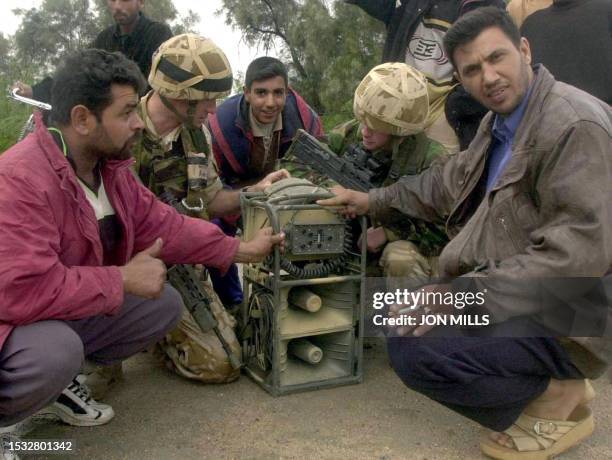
(176, 171)
(180, 168)
(413, 245)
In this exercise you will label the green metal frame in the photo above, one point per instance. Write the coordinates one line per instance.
(275, 282)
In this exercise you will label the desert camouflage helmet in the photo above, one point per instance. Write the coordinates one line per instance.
(190, 67)
(392, 98)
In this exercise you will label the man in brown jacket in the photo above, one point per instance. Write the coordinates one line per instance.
(531, 198)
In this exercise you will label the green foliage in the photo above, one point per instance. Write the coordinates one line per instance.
(11, 126)
(329, 46)
(309, 27)
(47, 33)
(13, 114)
(261, 21)
(238, 83)
(330, 121)
(13, 118)
(56, 27)
(186, 23)
(360, 40)
(5, 54)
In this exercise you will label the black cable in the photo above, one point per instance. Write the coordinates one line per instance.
(324, 268)
(262, 343)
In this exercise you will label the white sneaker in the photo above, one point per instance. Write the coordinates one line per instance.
(75, 406)
(5, 453)
(8, 434)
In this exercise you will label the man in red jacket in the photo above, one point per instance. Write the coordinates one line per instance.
(83, 245)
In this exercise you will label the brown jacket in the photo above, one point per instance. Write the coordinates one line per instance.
(549, 214)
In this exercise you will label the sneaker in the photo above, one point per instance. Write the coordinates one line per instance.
(5, 452)
(75, 406)
(8, 434)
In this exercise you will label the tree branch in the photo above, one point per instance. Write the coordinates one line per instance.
(292, 51)
(269, 32)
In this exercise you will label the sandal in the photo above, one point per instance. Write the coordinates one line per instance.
(589, 392)
(541, 439)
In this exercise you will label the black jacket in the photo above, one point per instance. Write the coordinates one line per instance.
(402, 21)
(138, 46)
(573, 39)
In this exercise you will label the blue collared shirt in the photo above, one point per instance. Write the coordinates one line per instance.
(504, 129)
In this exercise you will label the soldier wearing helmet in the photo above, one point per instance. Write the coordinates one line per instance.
(391, 108)
(188, 74)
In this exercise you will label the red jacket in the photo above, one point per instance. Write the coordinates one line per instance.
(50, 248)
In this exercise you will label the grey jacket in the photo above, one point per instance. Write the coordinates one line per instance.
(549, 214)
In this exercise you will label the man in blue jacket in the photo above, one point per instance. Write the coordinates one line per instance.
(251, 132)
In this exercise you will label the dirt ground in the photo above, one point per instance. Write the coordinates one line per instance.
(162, 416)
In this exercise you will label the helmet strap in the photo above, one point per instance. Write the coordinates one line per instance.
(187, 120)
(191, 109)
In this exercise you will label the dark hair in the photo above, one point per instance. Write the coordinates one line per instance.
(263, 68)
(85, 78)
(470, 26)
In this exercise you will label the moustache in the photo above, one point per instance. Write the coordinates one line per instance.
(137, 136)
(132, 141)
(496, 85)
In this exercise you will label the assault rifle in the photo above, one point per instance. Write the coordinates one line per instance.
(185, 279)
(356, 169)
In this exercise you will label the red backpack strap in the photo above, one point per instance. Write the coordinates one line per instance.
(224, 150)
(310, 119)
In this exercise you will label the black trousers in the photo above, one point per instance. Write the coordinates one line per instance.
(487, 379)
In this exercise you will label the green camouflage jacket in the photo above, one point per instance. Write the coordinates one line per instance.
(409, 156)
(175, 169)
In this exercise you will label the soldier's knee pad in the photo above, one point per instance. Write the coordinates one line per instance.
(199, 355)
